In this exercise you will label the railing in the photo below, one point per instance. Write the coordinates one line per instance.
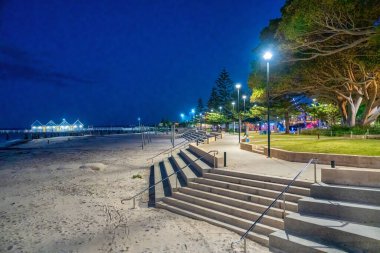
(244, 236)
(171, 149)
(166, 178)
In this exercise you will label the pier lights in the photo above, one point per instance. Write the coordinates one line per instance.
(268, 56)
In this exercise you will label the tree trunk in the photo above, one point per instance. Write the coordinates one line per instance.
(287, 122)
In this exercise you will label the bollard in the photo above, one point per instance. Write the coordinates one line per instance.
(225, 159)
(332, 164)
(134, 203)
(315, 171)
(283, 212)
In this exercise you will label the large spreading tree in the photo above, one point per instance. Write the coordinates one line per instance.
(328, 49)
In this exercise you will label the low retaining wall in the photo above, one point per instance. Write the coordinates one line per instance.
(340, 160)
(359, 177)
(246, 146)
(209, 157)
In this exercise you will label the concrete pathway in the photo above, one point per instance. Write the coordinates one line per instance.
(249, 162)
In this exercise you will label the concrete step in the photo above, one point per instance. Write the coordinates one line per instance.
(290, 206)
(352, 177)
(159, 188)
(281, 241)
(359, 213)
(187, 173)
(249, 206)
(364, 195)
(220, 216)
(248, 189)
(173, 180)
(235, 211)
(260, 184)
(346, 235)
(262, 239)
(199, 165)
(273, 179)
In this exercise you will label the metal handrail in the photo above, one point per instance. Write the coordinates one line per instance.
(174, 148)
(243, 237)
(175, 172)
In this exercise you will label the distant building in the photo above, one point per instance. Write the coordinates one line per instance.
(64, 126)
(36, 126)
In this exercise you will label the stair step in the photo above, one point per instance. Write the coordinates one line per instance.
(249, 206)
(244, 196)
(347, 235)
(173, 180)
(260, 184)
(159, 188)
(235, 211)
(249, 189)
(355, 194)
(259, 177)
(281, 241)
(359, 213)
(187, 173)
(221, 216)
(262, 239)
(199, 165)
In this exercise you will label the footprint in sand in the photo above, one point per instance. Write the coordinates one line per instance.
(93, 166)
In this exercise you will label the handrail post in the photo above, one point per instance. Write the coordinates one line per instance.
(134, 203)
(315, 170)
(214, 161)
(245, 245)
(284, 208)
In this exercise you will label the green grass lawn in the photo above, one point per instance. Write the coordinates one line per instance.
(305, 143)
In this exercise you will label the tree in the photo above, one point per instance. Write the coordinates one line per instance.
(200, 107)
(224, 87)
(215, 118)
(213, 102)
(328, 49)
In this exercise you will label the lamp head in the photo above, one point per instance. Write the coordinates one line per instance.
(268, 55)
(244, 97)
(238, 86)
(233, 103)
(220, 107)
(192, 110)
(182, 115)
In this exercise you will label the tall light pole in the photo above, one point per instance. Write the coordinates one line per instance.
(244, 98)
(139, 119)
(233, 109)
(220, 109)
(267, 56)
(238, 86)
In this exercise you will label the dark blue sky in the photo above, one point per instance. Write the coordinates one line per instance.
(108, 62)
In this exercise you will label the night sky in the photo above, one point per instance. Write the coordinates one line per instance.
(108, 62)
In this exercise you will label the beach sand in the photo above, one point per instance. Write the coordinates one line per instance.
(65, 197)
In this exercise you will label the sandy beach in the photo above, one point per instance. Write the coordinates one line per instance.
(65, 197)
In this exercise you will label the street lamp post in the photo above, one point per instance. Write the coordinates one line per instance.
(244, 98)
(238, 86)
(267, 57)
(220, 109)
(233, 109)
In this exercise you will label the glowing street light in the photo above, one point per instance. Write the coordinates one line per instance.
(238, 86)
(244, 97)
(233, 105)
(220, 109)
(268, 56)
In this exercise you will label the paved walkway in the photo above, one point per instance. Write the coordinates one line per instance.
(245, 161)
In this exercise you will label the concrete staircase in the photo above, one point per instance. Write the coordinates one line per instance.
(335, 218)
(192, 135)
(228, 199)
